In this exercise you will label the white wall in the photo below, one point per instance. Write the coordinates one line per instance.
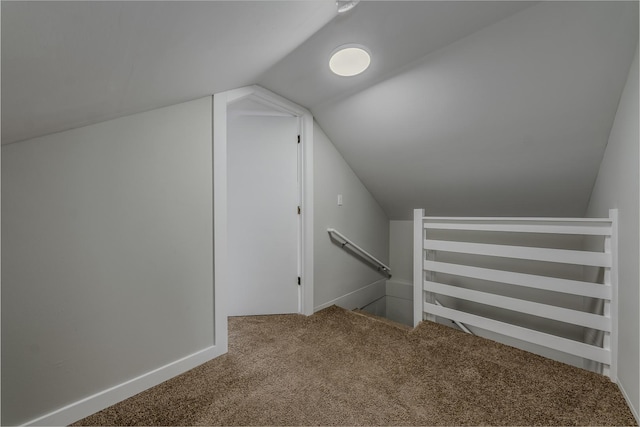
(107, 262)
(339, 277)
(617, 186)
(401, 250)
(399, 289)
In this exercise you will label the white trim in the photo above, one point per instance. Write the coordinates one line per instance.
(220, 264)
(535, 337)
(632, 408)
(237, 94)
(575, 317)
(358, 298)
(516, 219)
(598, 228)
(418, 260)
(613, 249)
(573, 287)
(306, 136)
(598, 259)
(90, 405)
(221, 102)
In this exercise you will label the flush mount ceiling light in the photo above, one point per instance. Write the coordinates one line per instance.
(345, 6)
(349, 60)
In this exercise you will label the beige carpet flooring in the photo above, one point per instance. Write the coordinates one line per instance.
(342, 368)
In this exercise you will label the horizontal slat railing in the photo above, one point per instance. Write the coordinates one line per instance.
(591, 228)
(515, 219)
(560, 314)
(427, 286)
(574, 287)
(595, 259)
(546, 340)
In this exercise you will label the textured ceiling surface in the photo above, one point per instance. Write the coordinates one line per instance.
(468, 108)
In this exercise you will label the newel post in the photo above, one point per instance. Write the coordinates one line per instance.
(418, 258)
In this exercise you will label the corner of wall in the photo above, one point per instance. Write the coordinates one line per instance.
(340, 277)
(618, 186)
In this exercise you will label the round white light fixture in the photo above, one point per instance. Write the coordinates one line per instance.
(349, 60)
(346, 5)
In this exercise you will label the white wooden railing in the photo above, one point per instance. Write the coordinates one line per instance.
(426, 286)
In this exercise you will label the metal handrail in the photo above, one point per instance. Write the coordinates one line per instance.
(347, 241)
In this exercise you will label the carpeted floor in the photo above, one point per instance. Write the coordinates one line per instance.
(342, 368)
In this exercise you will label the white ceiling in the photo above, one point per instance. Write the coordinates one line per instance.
(469, 108)
(69, 64)
(396, 32)
(511, 120)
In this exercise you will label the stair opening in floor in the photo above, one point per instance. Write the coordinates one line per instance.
(396, 309)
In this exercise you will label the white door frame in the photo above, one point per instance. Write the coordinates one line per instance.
(221, 102)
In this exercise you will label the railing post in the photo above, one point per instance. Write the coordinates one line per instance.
(611, 307)
(418, 259)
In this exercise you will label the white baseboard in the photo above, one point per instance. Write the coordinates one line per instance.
(101, 400)
(358, 298)
(631, 405)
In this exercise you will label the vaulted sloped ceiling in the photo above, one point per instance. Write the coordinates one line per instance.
(468, 108)
(69, 64)
(510, 120)
(396, 32)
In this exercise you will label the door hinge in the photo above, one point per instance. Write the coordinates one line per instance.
(298, 139)
(299, 210)
(298, 280)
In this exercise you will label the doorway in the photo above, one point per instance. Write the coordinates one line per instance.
(277, 106)
(263, 220)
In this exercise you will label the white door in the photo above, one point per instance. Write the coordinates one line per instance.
(263, 222)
